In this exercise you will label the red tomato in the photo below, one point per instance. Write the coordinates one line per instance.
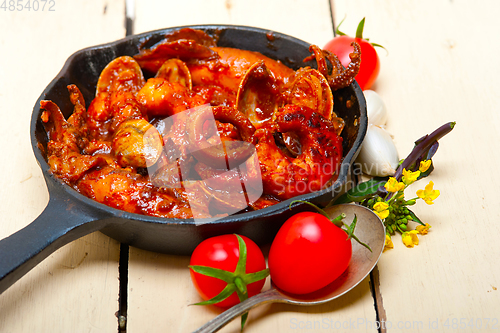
(308, 253)
(370, 62)
(223, 252)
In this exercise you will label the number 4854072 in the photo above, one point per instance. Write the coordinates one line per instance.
(28, 5)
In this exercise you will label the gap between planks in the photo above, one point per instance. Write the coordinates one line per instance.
(124, 248)
(380, 315)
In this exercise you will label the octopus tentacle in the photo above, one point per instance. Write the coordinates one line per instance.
(346, 77)
(284, 176)
(340, 77)
(317, 53)
(337, 67)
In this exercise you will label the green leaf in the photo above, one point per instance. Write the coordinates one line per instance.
(257, 276)
(337, 31)
(378, 45)
(225, 293)
(242, 260)
(243, 320)
(350, 232)
(243, 295)
(361, 191)
(415, 218)
(359, 30)
(214, 272)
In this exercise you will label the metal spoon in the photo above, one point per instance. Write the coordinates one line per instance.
(369, 230)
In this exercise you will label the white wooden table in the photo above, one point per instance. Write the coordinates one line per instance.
(441, 66)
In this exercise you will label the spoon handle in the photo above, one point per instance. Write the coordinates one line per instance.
(268, 296)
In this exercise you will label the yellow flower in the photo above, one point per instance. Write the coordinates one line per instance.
(393, 185)
(388, 243)
(409, 176)
(423, 229)
(424, 165)
(410, 238)
(428, 194)
(381, 208)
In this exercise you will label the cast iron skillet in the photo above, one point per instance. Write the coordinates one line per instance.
(70, 215)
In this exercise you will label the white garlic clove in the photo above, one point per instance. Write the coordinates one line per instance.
(378, 155)
(375, 108)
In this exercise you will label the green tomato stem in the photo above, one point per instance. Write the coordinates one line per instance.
(240, 285)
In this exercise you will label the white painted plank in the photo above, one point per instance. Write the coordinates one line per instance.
(305, 19)
(76, 288)
(440, 67)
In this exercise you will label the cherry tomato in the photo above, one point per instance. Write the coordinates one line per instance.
(308, 253)
(370, 62)
(223, 253)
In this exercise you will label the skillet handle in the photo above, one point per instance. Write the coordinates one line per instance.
(61, 222)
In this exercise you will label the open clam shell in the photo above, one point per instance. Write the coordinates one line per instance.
(257, 94)
(175, 70)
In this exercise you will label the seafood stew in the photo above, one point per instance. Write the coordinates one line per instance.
(168, 126)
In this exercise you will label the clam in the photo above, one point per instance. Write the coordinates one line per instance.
(310, 88)
(123, 73)
(175, 70)
(137, 143)
(257, 96)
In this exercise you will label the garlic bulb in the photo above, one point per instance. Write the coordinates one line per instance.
(375, 107)
(378, 155)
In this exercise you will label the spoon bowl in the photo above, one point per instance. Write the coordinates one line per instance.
(369, 229)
